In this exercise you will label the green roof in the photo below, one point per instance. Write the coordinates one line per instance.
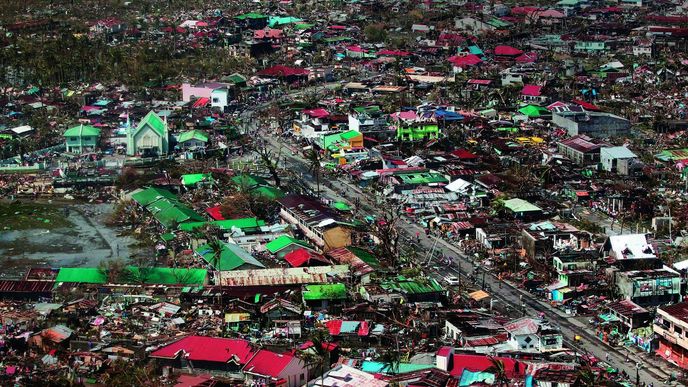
(303, 26)
(324, 292)
(348, 135)
(167, 275)
(132, 274)
(193, 135)
(364, 255)
(232, 257)
(168, 236)
(86, 275)
(534, 111)
(520, 205)
(245, 224)
(150, 195)
(410, 286)
(195, 178)
(341, 206)
(269, 192)
(367, 109)
(249, 180)
(251, 15)
(82, 130)
(155, 122)
(422, 178)
(172, 213)
(235, 78)
(283, 241)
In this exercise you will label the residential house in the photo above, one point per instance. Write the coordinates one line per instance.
(324, 296)
(371, 121)
(226, 357)
(149, 138)
(81, 139)
(231, 257)
(268, 368)
(285, 244)
(573, 268)
(546, 237)
(344, 147)
(649, 287)
(412, 127)
(617, 159)
(529, 334)
(629, 314)
(342, 375)
(522, 209)
(216, 93)
(192, 139)
(590, 47)
(324, 227)
(580, 149)
(671, 329)
(592, 124)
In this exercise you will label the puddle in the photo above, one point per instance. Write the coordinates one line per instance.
(88, 242)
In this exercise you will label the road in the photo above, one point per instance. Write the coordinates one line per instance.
(508, 294)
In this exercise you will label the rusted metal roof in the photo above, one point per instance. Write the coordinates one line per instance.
(21, 286)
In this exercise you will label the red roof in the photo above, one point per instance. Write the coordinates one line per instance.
(185, 380)
(334, 326)
(268, 363)
(302, 257)
(586, 106)
(214, 213)
(203, 348)
(479, 81)
(201, 102)
(393, 53)
(528, 57)
(267, 34)
(283, 71)
(463, 154)
(528, 10)
(532, 90)
(466, 60)
(316, 113)
(444, 351)
(507, 51)
(480, 363)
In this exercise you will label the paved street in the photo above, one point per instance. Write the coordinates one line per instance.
(507, 294)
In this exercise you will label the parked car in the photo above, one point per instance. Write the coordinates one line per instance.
(452, 281)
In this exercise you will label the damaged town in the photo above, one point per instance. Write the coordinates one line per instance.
(344, 193)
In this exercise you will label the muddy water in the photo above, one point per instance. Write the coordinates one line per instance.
(87, 243)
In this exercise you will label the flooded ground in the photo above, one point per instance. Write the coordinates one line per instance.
(86, 241)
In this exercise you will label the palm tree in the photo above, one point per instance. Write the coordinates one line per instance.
(314, 167)
(391, 359)
(318, 354)
(216, 247)
(499, 370)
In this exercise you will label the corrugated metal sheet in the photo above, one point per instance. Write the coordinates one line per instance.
(10, 286)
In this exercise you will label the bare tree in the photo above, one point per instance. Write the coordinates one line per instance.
(385, 229)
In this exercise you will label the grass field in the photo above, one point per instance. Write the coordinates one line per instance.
(28, 216)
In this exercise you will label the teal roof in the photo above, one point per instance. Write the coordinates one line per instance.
(249, 180)
(324, 292)
(82, 130)
(364, 255)
(282, 242)
(232, 257)
(534, 111)
(193, 135)
(282, 20)
(269, 192)
(375, 367)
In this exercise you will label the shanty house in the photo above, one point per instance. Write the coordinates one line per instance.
(81, 139)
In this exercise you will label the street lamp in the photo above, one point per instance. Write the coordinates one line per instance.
(637, 374)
